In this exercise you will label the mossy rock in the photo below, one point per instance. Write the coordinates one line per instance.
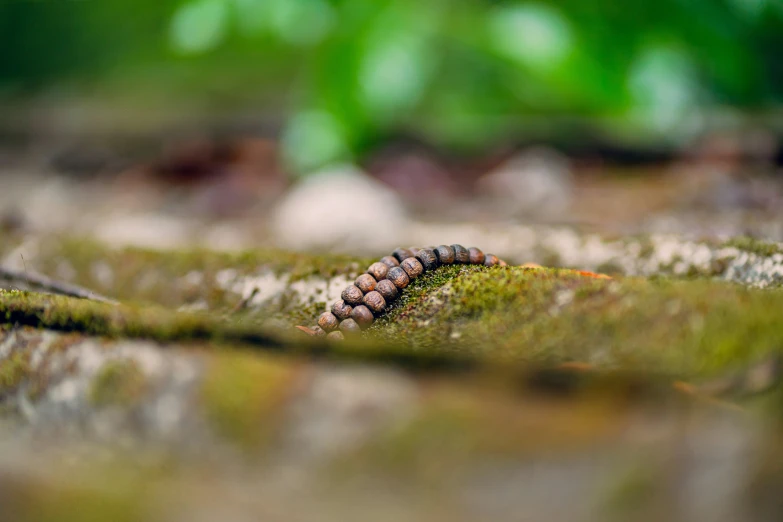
(540, 315)
(469, 315)
(754, 246)
(144, 276)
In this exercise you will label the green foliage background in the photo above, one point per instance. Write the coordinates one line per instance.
(342, 74)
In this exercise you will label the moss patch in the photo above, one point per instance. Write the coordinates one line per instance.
(514, 314)
(144, 275)
(152, 322)
(64, 500)
(460, 316)
(167, 326)
(13, 370)
(458, 424)
(754, 246)
(242, 395)
(118, 383)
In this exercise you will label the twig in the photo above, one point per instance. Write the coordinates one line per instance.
(51, 285)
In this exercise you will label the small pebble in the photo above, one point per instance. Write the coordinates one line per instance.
(476, 256)
(390, 261)
(387, 289)
(378, 270)
(350, 326)
(412, 267)
(399, 277)
(427, 258)
(402, 253)
(362, 315)
(352, 295)
(490, 260)
(375, 302)
(445, 254)
(328, 322)
(335, 336)
(341, 309)
(461, 254)
(366, 283)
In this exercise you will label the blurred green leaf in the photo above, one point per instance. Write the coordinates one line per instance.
(456, 73)
(665, 90)
(199, 26)
(536, 35)
(395, 66)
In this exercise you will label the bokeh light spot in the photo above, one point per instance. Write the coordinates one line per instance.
(533, 34)
(301, 22)
(199, 26)
(663, 84)
(393, 74)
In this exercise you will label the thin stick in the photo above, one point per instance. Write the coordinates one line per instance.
(51, 285)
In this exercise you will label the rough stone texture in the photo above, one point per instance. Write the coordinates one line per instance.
(58, 391)
(377, 424)
(331, 439)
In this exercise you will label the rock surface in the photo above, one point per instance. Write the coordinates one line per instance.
(337, 207)
(187, 397)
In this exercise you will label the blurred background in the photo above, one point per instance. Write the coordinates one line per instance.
(157, 115)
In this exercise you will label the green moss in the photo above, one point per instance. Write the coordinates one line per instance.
(461, 316)
(118, 383)
(455, 424)
(754, 246)
(144, 275)
(67, 500)
(167, 326)
(243, 394)
(636, 489)
(13, 370)
(152, 322)
(675, 327)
